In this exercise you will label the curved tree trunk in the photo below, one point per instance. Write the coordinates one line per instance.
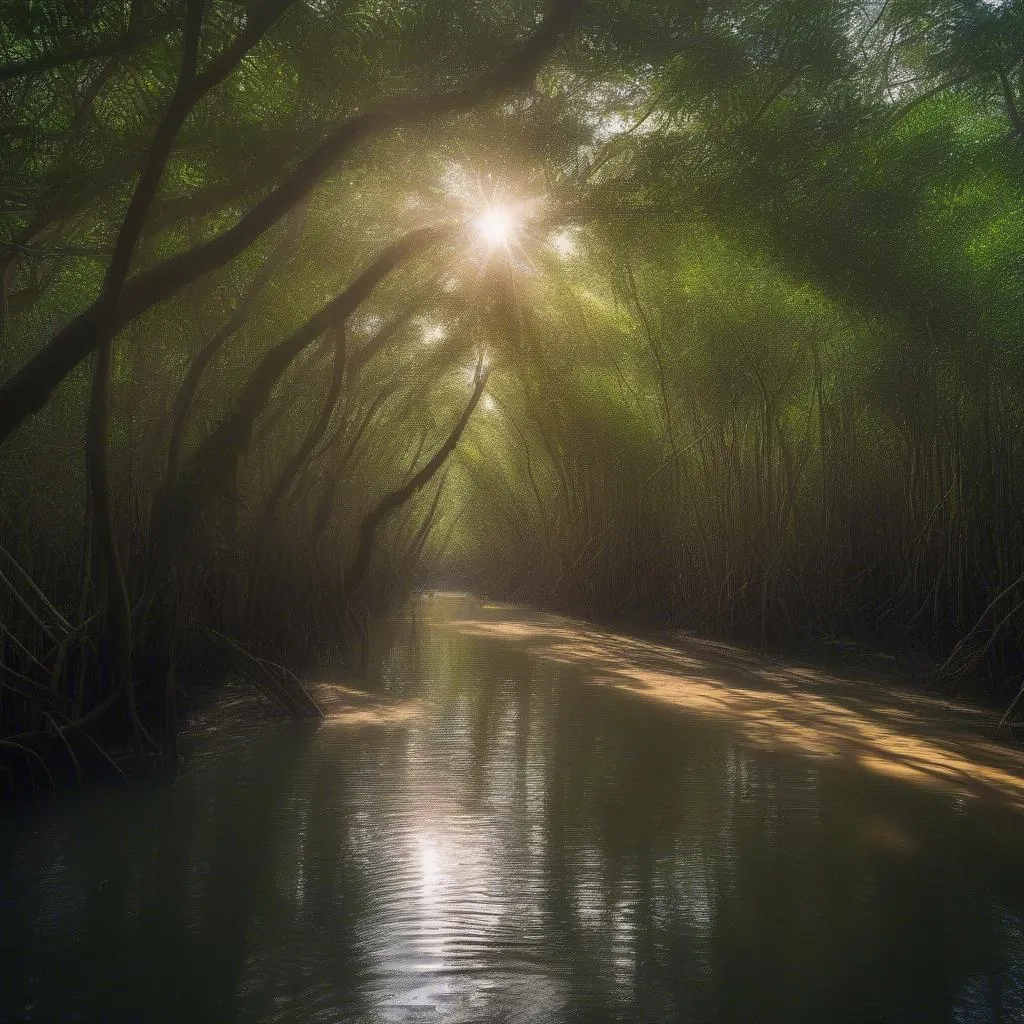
(344, 367)
(115, 627)
(178, 506)
(29, 389)
(190, 385)
(325, 507)
(394, 500)
(315, 433)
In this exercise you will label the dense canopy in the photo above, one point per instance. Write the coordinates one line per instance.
(706, 314)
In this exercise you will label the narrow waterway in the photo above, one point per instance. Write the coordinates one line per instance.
(539, 821)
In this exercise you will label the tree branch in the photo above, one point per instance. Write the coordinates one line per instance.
(394, 500)
(29, 389)
(217, 458)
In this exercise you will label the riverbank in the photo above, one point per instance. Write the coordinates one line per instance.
(863, 714)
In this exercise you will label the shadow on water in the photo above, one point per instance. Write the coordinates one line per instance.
(517, 846)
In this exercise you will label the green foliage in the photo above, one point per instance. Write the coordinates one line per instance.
(755, 346)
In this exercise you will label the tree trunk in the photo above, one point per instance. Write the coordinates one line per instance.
(177, 507)
(29, 389)
(394, 500)
(190, 385)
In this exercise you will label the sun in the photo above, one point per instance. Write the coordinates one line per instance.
(497, 227)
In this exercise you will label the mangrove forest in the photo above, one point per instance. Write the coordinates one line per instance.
(511, 511)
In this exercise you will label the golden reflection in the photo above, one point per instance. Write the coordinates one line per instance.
(341, 705)
(919, 739)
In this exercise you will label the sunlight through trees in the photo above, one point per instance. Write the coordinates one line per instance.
(702, 316)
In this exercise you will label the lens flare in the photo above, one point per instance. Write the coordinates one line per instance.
(496, 226)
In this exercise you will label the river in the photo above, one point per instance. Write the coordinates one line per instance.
(536, 820)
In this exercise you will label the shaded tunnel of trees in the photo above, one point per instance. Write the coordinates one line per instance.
(697, 314)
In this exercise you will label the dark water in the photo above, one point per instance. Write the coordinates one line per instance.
(529, 850)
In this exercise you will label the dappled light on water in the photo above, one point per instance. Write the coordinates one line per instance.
(486, 837)
(919, 739)
(343, 705)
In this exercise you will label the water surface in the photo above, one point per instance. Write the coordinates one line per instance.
(527, 846)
